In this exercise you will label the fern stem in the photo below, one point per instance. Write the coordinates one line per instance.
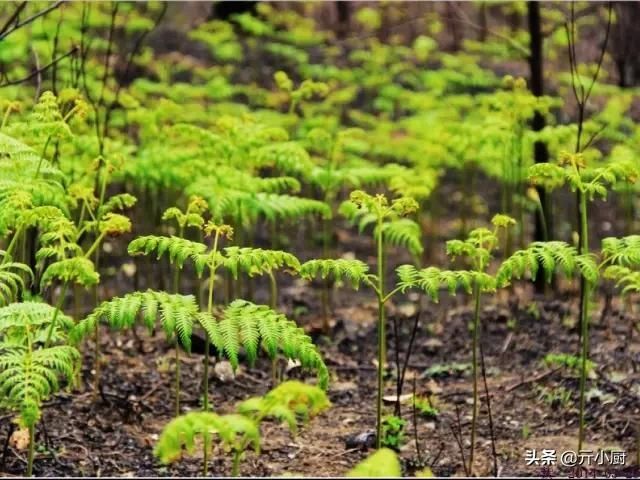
(94, 246)
(381, 336)
(474, 360)
(177, 393)
(325, 283)
(273, 290)
(12, 244)
(32, 448)
(52, 325)
(584, 316)
(235, 468)
(212, 277)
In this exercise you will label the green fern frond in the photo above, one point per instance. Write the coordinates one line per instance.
(121, 201)
(289, 158)
(551, 257)
(247, 325)
(256, 261)
(355, 271)
(176, 312)
(28, 377)
(285, 402)
(431, 280)
(179, 249)
(403, 233)
(78, 270)
(12, 281)
(622, 251)
(382, 463)
(236, 432)
(18, 319)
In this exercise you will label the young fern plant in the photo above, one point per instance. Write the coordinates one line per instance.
(71, 265)
(239, 431)
(251, 261)
(177, 313)
(589, 182)
(478, 250)
(30, 373)
(390, 228)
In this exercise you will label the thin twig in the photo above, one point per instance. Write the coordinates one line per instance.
(457, 435)
(415, 423)
(6, 32)
(38, 71)
(537, 378)
(39, 76)
(13, 18)
(488, 398)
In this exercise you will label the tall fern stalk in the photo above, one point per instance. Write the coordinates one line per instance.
(212, 278)
(474, 360)
(382, 338)
(584, 317)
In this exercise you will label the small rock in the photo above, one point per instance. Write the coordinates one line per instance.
(224, 372)
(432, 345)
(20, 439)
(362, 440)
(394, 398)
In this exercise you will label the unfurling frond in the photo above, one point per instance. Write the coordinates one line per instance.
(256, 261)
(551, 257)
(355, 271)
(249, 326)
(177, 314)
(285, 402)
(235, 432)
(431, 280)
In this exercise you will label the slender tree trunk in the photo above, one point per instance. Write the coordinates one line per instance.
(343, 10)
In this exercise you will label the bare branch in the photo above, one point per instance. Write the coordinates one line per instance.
(28, 20)
(38, 71)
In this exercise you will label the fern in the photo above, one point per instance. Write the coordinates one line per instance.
(28, 377)
(355, 271)
(178, 249)
(78, 270)
(382, 463)
(550, 257)
(256, 261)
(251, 326)
(285, 402)
(177, 315)
(623, 252)
(236, 433)
(403, 233)
(31, 320)
(12, 281)
(625, 278)
(430, 280)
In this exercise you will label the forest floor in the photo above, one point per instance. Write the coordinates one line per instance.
(533, 405)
